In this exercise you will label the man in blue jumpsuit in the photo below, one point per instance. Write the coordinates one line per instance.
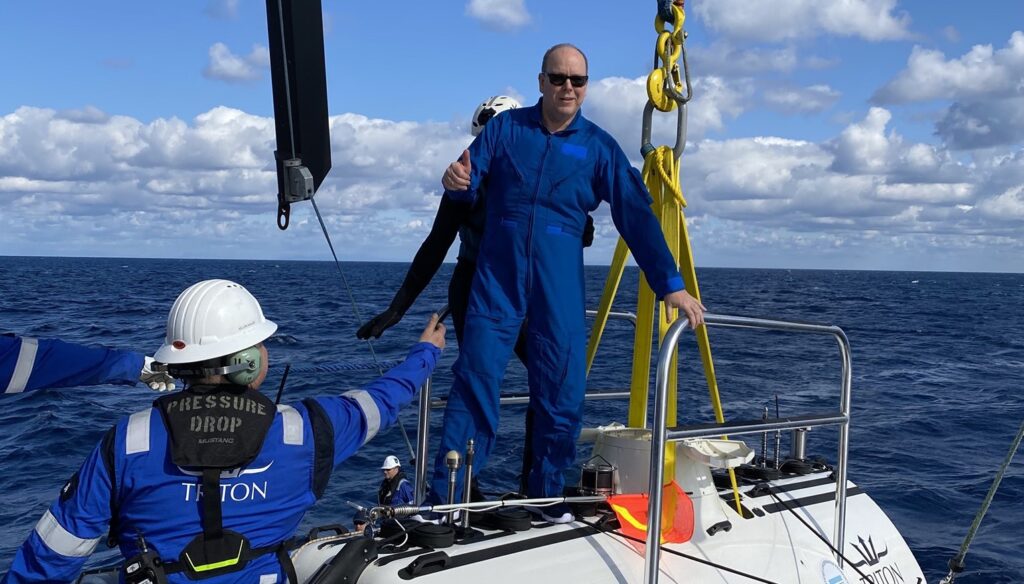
(215, 478)
(28, 364)
(546, 167)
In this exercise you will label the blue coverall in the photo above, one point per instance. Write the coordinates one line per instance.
(27, 364)
(264, 501)
(540, 187)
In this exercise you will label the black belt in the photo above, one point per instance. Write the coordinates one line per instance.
(279, 549)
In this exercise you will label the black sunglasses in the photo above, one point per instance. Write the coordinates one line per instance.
(558, 79)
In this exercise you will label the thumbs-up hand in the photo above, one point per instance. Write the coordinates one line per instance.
(456, 177)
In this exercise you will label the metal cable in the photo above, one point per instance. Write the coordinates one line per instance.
(864, 577)
(355, 311)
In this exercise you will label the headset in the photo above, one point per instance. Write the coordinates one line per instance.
(240, 368)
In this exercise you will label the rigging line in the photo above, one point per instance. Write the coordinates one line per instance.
(771, 492)
(602, 529)
(956, 564)
(355, 311)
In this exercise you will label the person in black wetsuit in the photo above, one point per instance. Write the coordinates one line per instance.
(467, 221)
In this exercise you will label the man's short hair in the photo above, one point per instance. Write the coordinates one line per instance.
(547, 55)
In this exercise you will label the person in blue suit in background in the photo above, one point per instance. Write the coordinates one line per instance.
(395, 489)
(546, 167)
(215, 479)
(29, 364)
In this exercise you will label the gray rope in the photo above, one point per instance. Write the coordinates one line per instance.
(956, 565)
(355, 311)
(336, 366)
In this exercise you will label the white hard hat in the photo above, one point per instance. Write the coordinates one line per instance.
(390, 463)
(488, 109)
(213, 318)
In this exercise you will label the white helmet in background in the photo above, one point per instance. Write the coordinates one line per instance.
(488, 109)
(210, 319)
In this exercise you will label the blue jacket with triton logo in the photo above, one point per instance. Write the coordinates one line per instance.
(264, 501)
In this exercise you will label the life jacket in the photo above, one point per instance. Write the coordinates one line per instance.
(388, 488)
(213, 429)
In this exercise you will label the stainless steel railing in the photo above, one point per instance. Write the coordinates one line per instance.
(426, 403)
(661, 435)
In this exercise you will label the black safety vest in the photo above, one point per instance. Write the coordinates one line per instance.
(213, 429)
(388, 488)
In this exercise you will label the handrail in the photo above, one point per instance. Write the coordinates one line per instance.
(524, 398)
(426, 404)
(660, 435)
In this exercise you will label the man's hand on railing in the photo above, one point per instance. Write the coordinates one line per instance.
(690, 306)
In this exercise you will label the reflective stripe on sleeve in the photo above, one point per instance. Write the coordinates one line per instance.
(292, 420)
(23, 369)
(370, 411)
(61, 540)
(136, 439)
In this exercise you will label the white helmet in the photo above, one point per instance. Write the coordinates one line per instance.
(213, 318)
(490, 108)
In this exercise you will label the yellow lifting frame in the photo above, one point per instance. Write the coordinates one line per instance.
(662, 177)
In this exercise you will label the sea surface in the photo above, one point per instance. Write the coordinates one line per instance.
(938, 361)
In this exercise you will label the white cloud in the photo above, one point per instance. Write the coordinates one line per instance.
(227, 66)
(863, 147)
(499, 14)
(617, 105)
(725, 58)
(100, 184)
(782, 20)
(981, 72)
(803, 100)
(1006, 206)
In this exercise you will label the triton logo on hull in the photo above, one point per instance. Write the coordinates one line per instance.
(889, 573)
(867, 551)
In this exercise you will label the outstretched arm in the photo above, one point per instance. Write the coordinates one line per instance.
(28, 364)
(450, 216)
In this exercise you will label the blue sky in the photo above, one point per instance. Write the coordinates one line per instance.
(871, 134)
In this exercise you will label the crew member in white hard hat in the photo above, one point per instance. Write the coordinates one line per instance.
(395, 489)
(259, 467)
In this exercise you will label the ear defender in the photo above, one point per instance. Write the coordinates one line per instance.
(250, 357)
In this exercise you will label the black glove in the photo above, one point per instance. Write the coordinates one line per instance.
(380, 323)
(588, 232)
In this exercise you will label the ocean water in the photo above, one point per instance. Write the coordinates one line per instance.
(938, 379)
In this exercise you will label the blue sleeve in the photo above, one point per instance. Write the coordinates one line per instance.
(358, 415)
(30, 364)
(404, 496)
(620, 185)
(481, 151)
(70, 529)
